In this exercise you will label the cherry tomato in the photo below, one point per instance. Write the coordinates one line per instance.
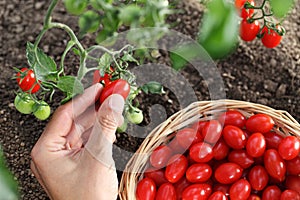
(220, 149)
(26, 81)
(211, 132)
(176, 147)
(135, 116)
(249, 31)
(289, 194)
(197, 192)
(222, 188)
(180, 186)
(256, 145)
(271, 193)
(42, 111)
(166, 192)
(253, 197)
(199, 172)
(272, 140)
(240, 190)
(234, 137)
(157, 175)
(119, 86)
(228, 173)
(293, 166)
(176, 168)
(146, 189)
(160, 156)
(23, 103)
(289, 148)
(270, 38)
(188, 136)
(245, 13)
(105, 79)
(241, 158)
(233, 117)
(261, 123)
(199, 126)
(293, 182)
(274, 164)
(258, 177)
(201, 152)
(218, 195)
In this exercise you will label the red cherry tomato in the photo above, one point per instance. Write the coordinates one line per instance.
(293, 166)
(220, 150)
(271, 193)
(157, 175)
(199, 172)
(160, 156)
(258, 177)
(256, 145)
(233, 117)
(211, 132)
(289, 194)
(274, 164)
(176, 168)
(234, 137)
(249, 31)
(240, 190)
(228, 173)
(261, 123)
(176, 147)
(199, 126)
(166, 192)
(27, 81)
(105, 79)
(119, 86)
(180, 186)
(270, 38)
(272, 140)
(222, 188)
(289, 148)
(197, 192)
(188, 136)
(218, 195)
(293, 182)
(245, 13)
(253, 197)
(201, 152)
(241, 158)
(146, 189)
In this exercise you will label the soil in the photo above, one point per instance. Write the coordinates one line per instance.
(252, 73)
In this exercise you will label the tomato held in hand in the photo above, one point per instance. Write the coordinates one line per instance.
(258, 177)
(26, 81)
(289, 147)
(274, 164)
(160, 156)
(146, 189)
(176, 168)
(228, 173)
(261, 123)
(240, 190)
(249, 31)
(197, 192)
(270, 38)
(166, 192)
(119, 86)
(105, 79)
(256, 145)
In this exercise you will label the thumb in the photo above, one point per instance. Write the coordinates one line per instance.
(102, 136)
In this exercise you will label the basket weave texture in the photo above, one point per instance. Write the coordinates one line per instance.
(285, 125)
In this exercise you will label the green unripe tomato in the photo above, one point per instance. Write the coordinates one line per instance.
(24, 104)
(75, 7)
(123, 127)
(135, 116)
(42, 110)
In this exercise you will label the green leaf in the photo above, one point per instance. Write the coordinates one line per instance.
(75, 7)
(281, 8)
(8, 186)
(89, 22)
(129, 14)
(153, 87)
(218, 32)
(105, 61)
(70, 85)
(129, 58)
(45, 68)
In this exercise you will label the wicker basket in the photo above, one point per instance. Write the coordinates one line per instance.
(285, 124)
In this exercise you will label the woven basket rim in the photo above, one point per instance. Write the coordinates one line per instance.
(285, 124)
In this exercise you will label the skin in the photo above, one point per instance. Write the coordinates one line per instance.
(73, 157)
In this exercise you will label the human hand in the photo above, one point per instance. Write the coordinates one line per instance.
(73, 157)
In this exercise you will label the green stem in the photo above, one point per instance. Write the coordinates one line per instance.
(68, 48)
(47, 20)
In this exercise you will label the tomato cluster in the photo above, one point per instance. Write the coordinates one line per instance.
(250, 29)
(231, 157)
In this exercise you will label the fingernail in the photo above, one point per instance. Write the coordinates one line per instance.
(116, 103)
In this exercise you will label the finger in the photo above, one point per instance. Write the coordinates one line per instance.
(102, 136)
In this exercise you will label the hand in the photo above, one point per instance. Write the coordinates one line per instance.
(73, 157)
